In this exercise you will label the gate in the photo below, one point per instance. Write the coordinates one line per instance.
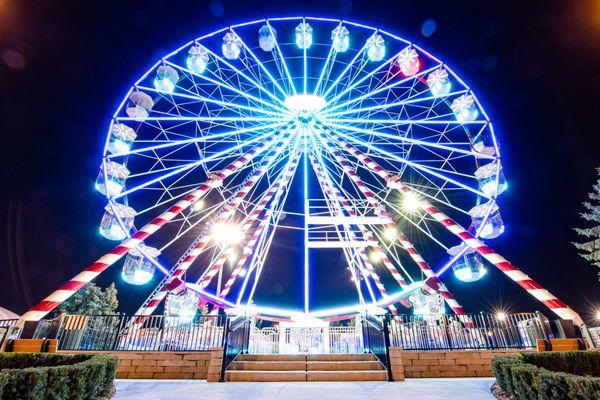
(306, 340)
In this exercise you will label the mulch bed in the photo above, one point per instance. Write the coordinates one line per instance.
(500, 393)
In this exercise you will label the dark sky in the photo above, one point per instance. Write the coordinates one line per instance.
(64, 66)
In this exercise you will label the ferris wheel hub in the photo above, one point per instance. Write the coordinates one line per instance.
(305, 103)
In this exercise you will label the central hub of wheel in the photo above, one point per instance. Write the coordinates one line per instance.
(305, 105)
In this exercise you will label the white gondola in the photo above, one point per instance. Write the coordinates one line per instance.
(376, 47)
(232, 46)
(464, 108)
(340, 39)
(439, 82)
(493, 227)
(109, 225)
(408, 60)
(487, 176)
(267, 38)
(304, 35)
(166, 78)
(139, 105)
(182, 308)
(197, 59)
(425, 303)
(121, 139)
(483, 143)
(137, 269)
(114, 181)
(468, 267)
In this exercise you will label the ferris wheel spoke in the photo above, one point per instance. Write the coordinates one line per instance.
(227, 105)
(205, 119)
(246, 77)
(334, 84)
(191, 165)
(327, 65)
(221, 83)
(387, 87)
(260, 64)
(282, 60)
(201, 139)
(413, 99)
(411, 140)
(429, 170)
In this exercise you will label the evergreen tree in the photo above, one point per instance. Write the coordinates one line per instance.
(589, 248)
(92, 300)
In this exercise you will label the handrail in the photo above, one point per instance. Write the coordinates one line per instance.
(237, 338)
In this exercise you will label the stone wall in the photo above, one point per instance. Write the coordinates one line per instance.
(168, 364)
(441, 364)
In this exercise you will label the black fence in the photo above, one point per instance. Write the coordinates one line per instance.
(139, 333)
(376, 340)
(236, 342)
(468, 331)
(5, 327)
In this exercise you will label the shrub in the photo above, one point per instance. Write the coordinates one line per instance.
(550, 376)
(500, 367)
(572, 362)
(40, 376)
(525, 381)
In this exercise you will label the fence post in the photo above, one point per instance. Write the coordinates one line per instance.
(386, 341)
(225, 339)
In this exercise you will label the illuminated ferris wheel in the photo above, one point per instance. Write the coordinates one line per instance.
(355, 139)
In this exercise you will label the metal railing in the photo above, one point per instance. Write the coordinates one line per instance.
(236, 341)
(468, 331)
(5, 328)
(306, 340)
(595, 336)
(137, 333)
(376, 339)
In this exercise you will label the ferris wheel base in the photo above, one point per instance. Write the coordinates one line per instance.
(281, 314)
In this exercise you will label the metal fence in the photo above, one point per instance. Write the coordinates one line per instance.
(469, 331)
(5, 327)
(306, 340)
(139, 333)
(595, 336)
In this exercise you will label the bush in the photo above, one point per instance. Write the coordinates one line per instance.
(550, 376)
(525, 381)
(40, 376)
(585, 363)
(500, 367)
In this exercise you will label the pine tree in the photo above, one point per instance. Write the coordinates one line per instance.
(589, 248)
(92, 300)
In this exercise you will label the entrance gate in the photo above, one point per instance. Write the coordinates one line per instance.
(306, 340)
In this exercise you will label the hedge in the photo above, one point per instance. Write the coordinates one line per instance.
(40, 376)
(550, 376)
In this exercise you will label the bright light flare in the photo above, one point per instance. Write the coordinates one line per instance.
(376, 256)
(390, 234)
(305, 102)
(224, 233)
(410, 202)
(501, 315)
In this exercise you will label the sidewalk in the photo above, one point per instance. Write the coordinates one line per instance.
(411, 389)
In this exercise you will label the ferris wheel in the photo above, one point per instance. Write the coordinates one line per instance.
(357, 140)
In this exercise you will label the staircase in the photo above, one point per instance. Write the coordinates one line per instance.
(293, 368)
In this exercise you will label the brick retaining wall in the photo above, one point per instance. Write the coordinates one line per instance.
(440, 364)
(167, 364)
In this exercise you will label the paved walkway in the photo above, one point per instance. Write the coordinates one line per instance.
(411, 389)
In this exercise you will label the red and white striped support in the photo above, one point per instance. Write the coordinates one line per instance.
(274, 193)
(92, 271)
(406, 245)
(231, 208)
(334, 194)
(514, 273)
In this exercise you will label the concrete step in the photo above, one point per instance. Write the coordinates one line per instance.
(344, 366)
(268, 366)
(341, 357)
(265, 376)
(271, 357)
(336, 376)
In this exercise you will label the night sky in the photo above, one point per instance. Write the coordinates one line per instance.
(64, 66)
